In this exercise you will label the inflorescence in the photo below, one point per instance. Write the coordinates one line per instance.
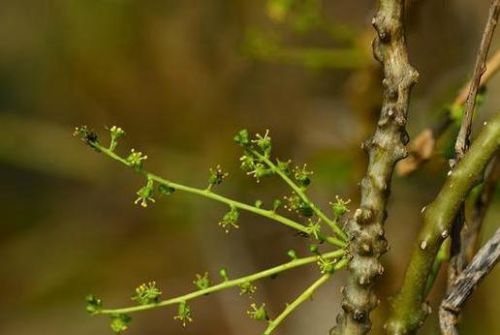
(257, 162)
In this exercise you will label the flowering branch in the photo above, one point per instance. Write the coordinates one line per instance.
(147, 295)
(145, 194)
(300, 192)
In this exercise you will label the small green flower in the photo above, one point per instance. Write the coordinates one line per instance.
(258, 203)
(247, 162)
(145, 194)
(135, 159)
(94, 304)
(263, 143)
(339, 207)
(147, 294)
(259, 171)
(184, 314)
(230, 219)
(242, 137)
(296, 204)
(202, 282)
(325, 265)
(258, 313)
(247, 288)
(314, 228)
(120, 322)
(302, 176)
(116, 134)
(284, 166)
(216, 176)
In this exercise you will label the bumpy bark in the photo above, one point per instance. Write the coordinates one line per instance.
(385, 148)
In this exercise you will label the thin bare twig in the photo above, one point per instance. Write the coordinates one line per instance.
(462, 142)
(455, 266)
(424, 144)
(466, 283)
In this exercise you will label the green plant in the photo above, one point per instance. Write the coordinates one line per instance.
(256, 161)
(359, 246)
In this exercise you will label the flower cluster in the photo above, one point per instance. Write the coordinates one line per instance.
(147, 294)
(230, 220)
(145, 194)
(116, 133)
(120, 322)
(247, 288)
(325, 265)
(339, 207)
(314, 228)
(258, 313)
(250, 162)
(294, 203)
(94, 304)
(302, 176)
(216, 177)
(135, 159)
(202, 282)
(184, 314)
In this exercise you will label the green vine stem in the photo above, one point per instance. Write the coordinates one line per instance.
(409, 308)
(385, 148)
(228, 283)
(303, 196)
(208, 193)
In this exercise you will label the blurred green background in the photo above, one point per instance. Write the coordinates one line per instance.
(181, 77)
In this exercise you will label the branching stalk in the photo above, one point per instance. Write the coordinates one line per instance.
(207, 193)
(227, 284)
(303, 196)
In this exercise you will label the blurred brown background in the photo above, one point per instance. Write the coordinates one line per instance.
(181, 77)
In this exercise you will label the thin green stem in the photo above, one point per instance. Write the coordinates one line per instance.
(229, 283)
(302, 195)
(207, 193)
(302, 298)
